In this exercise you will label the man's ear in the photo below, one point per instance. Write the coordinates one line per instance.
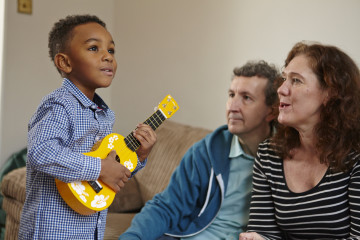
(62, 62)
(272, 114)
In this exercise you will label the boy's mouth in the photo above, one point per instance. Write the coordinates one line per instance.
(108, 71)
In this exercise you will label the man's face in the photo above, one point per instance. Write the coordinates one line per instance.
(246, 110)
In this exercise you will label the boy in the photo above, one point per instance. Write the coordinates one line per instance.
(66, 124)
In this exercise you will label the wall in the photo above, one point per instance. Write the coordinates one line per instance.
(187, 48)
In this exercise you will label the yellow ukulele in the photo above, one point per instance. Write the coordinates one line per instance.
(88, 197)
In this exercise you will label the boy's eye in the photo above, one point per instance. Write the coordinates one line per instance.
(111, 51)
(93, 48)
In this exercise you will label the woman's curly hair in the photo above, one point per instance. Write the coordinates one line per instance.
(338, 131)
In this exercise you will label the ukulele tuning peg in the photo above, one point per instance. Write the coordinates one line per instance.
(169, 113)
(164, 105)
(156, 108)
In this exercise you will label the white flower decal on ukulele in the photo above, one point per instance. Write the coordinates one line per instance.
(80, 190)
(111, 141)
(129, 165)
(99, 201)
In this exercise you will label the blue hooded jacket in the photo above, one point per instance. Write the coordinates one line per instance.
(194, 195)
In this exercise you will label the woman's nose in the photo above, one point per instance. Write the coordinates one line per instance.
(283, 89)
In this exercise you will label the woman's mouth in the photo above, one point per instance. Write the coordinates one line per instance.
(283, 105)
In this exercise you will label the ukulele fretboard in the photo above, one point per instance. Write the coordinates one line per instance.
(154, 121)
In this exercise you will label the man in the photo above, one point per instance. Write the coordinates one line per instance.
(208, 196)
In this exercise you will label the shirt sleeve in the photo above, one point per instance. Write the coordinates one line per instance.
(262, 212)
(354, 201)
(140, 165)
(50, 136)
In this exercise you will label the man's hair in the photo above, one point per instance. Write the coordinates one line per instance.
(61, 33)
(264, 70)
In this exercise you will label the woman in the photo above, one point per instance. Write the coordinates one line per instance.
(306, 182)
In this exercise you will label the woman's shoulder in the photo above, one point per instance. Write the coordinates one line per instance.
(268, 154)
(268, 147)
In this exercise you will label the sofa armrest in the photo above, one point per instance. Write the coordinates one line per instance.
(13, 184)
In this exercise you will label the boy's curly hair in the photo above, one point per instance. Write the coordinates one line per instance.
(60, 34)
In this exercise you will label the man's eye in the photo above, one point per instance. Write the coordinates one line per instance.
(93, 48)
(247, 97)
(231, 95)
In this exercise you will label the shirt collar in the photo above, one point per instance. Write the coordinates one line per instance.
(236, 149)
(84, 100)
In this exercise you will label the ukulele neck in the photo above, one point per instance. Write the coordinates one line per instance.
(154, 121)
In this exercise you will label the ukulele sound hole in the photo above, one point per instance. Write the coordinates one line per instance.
(117, 158)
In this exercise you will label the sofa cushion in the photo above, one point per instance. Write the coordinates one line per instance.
(116, 224)
(128, 200)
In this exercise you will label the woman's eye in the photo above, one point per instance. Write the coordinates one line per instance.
(296, 80)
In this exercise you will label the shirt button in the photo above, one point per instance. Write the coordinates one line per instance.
(99, 222)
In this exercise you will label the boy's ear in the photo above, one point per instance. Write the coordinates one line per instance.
(62, 62)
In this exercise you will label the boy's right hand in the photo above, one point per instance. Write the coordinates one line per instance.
(114, 174)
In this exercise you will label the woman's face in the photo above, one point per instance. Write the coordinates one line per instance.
(300, 95)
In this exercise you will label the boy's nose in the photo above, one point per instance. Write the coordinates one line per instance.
(108, 57)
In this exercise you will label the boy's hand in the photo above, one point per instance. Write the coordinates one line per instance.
(114, 174)
(147, 138)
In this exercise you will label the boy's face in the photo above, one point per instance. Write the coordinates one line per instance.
(91, 58)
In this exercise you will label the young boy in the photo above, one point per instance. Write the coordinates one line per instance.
(68, 122)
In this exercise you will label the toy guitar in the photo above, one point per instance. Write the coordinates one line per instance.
(88, 197)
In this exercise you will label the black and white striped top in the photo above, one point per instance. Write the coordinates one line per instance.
(331, 210)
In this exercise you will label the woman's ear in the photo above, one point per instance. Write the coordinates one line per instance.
(62, 62)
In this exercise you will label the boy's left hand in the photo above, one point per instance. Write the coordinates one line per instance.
(147, 138)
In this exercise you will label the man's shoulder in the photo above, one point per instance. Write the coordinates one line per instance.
(220, 135)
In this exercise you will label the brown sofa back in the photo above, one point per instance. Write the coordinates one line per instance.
(173, 140)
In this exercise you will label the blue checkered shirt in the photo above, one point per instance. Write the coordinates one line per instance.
(65, 125)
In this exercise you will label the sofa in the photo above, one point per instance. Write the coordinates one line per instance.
(173, 140)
